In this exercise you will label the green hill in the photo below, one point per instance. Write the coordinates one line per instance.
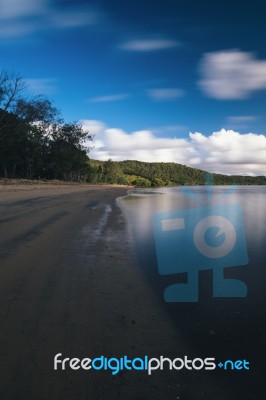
(131, 172)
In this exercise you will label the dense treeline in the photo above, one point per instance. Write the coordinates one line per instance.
(160, 174)
(35, 142)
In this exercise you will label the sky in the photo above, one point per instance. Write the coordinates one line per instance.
(177, 80)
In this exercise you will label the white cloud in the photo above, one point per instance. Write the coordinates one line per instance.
(165, 94)
(21, 18)
(231, 74)
(230, 152)
(110, 98)
(147, 45)
(226, 152)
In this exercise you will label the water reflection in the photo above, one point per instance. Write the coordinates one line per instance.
(141, 205)
(224, 327)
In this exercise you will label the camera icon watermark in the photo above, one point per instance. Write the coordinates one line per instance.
(201, 238)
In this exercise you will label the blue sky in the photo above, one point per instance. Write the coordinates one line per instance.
(181, 81)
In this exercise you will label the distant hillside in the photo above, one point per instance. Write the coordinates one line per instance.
(160, 174)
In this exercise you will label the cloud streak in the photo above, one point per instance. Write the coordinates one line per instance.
(231, 74)
(13, 9)
(41, 86)
(110, 98)
(240, 121)
(149, 45)
(226, 151)
(22, 18)
(165, 94)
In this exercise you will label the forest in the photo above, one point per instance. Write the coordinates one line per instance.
(36, 143)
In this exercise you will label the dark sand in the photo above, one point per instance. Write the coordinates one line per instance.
(70, 283)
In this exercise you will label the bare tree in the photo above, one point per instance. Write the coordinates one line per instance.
(11, 85)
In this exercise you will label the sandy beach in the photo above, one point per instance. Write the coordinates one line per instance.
(70, 283)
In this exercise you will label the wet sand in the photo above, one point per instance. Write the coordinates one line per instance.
(70, 283)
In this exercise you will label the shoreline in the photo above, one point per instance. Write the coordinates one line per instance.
(70, 283)
(25, 184)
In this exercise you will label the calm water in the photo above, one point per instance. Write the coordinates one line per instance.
(141, 205)
(224, 327)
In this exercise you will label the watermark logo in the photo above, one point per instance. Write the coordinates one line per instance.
(201, 238)
(146, 363)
